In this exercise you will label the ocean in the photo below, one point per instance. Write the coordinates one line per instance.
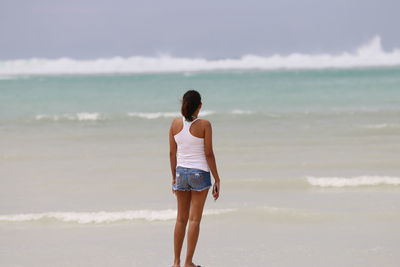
(309, 161)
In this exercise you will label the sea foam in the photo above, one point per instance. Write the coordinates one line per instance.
(80, 116)
(370, 54)
(97, 116)
(353, 181)
(153, 115)
(383, 126)
(102, 216)
(241, 112)
(156, 115)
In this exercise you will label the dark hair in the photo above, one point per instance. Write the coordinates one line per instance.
(190, 102)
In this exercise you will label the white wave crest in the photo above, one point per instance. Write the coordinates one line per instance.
(383, 126)
(156, 115)
(241, 112)
(370, 54)
(153, 115)
(206, 112)
(352, 181)
(80, 116)
(103, 216)
(85, 116)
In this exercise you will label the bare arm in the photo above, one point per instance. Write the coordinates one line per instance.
(208, 149)
(210, 157)
(172, 155)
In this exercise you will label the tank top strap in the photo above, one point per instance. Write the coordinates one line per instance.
(186, 124)
(194, 120)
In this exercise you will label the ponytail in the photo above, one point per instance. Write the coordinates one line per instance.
(190, 102)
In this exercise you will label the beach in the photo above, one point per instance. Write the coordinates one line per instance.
(308, 158)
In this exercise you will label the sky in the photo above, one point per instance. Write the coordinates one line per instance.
(89, 29)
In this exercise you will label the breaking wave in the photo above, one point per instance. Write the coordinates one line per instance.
(241, 112)
(153, 115)
(383, 126)
(271, 213)
(370, 54)
(97, 116)
(102, 216)
(305, 183)
(156, 115)
(80, 116)
(353, 181)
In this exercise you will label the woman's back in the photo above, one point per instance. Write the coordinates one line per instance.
(189, 137)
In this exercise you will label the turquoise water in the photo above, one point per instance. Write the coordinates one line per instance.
(267, 124)
(313, 153)
(275, 91)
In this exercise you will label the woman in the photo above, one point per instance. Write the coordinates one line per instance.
(192, 158)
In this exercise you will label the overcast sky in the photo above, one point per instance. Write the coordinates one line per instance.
(207, 28)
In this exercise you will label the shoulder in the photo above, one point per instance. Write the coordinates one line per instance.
(205, 123)
(176, 125)
(176, 121)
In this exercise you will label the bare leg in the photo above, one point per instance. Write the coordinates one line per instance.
(196, 211)
(183, 199)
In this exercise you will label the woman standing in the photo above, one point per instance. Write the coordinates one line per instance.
(192, 158)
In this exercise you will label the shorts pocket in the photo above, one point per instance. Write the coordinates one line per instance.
(200, 179)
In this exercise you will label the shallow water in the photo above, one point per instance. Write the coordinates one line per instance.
(309, 164)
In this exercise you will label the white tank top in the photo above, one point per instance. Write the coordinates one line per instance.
(190, 152)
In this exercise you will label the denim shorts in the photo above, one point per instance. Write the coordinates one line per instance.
(191, 179)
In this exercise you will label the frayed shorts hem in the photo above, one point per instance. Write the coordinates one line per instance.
(192, 189)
